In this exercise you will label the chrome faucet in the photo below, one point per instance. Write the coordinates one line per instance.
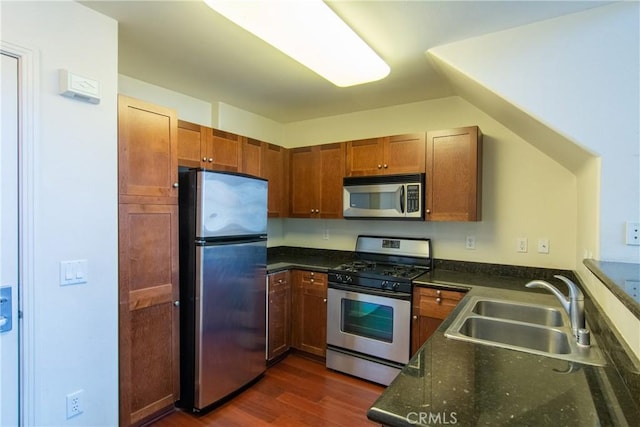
(574, 305)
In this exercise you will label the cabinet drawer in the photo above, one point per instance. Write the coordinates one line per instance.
(436, 308)
(440, 293)
(278, 280)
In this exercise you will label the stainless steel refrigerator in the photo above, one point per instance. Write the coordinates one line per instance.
(223, 257)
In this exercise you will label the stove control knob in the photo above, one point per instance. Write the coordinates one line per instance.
(348, 278)
(339, 277)
(396, 285)
(384, 284)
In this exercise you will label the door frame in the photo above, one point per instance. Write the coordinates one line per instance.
(28, 95)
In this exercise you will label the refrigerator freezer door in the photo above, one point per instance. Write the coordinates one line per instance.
(230, 205)
(230, 318)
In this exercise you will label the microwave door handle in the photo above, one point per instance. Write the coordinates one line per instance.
(402, 199)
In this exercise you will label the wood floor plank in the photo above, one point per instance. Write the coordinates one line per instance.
(296, 392)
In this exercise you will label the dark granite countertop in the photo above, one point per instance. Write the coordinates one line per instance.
(622, 278)
(456, 382)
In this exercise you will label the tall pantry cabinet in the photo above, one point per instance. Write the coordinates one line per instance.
(148, 260)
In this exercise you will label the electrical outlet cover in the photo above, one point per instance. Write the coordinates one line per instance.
(633, 233)
(74, 404)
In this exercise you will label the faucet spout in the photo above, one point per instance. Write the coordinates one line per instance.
(573, 305)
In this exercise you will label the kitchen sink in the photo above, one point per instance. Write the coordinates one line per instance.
(530, 313)
(532, 337)
(518, 325)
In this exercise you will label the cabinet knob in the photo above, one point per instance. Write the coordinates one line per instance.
(385, 166)
(428, 211)
(210, 159)
(311, 210)
(438, 292)
(379, 166)
(311, 280)
(279, 280)
(317, 210)
(415, 317)
(175, 185)
(438, 300)
(324, 300)
(176, 303)
(312, 274)
(204, 159)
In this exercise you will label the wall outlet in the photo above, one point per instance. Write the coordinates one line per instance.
(74, 404)
(470, 242)
(522, 245)
(543, 246)
(633, 233)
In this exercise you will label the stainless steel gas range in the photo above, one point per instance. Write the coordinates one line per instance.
(369, 306)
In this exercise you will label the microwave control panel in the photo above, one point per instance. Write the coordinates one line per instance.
(413, 198)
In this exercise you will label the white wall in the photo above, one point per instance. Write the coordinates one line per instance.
(75, 327)
(188, 108)
(578, 75)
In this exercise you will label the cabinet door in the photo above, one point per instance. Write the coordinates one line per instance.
(365, 157)
(189, 145)
(275, 170)
(224, 149)
(148, 325)
(251, 157)
(303, 183)
(454, 175)
(430, 308)
(279, 323)
(310, 312)
(404, 154)
(147, 152)
(331, 160)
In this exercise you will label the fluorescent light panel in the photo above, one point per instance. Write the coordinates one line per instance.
(309, 32)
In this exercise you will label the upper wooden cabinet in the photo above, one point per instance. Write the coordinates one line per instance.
(275, 161)
(205, 147)
(454, 175)
(387, 155)
(147, 152)
(223, 150)
(251, 157)
(315, 184)
(190, 144)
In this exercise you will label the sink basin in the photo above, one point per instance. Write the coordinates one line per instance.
(518, 325)
(532, 337)
(538, 314)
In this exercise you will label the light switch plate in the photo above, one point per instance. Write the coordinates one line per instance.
(73, 272)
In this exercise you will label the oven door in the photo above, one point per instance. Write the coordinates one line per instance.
(373, 325)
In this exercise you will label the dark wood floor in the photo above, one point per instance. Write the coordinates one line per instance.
(296, 392)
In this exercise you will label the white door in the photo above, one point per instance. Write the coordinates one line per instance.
(9, 344)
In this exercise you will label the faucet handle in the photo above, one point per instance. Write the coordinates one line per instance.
(574, 291)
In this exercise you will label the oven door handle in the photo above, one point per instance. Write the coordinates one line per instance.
(402, 199)
(368, 291)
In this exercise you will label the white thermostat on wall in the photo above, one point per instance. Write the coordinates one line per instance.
(78, 87)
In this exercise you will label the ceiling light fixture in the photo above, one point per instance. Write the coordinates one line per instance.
(309, 32)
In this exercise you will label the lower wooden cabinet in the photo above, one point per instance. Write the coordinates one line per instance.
(149, 318)
(309, 321)
(430, 307)
(279, 314)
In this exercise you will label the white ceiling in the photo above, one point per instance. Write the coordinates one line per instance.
(187, 47)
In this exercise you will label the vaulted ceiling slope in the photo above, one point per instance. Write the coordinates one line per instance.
(187, 47)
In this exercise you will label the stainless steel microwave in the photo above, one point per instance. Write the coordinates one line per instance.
(384, 197)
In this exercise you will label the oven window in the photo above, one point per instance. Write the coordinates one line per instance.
(367, 319)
